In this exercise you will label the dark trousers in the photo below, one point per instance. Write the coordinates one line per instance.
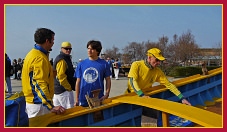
(15, 75)
(113, 75)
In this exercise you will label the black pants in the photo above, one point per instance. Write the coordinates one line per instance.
(113, 75)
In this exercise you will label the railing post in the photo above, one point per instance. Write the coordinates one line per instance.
(165, 119)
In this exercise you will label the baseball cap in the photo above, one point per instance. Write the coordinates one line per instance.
(66, 44)
(156, 53)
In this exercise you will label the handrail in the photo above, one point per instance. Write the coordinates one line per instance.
(206, 118)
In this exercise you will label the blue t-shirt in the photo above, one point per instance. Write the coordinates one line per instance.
(109, 63)
(92, 74)
(119, 64)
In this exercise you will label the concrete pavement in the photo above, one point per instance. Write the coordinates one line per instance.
(117, 86)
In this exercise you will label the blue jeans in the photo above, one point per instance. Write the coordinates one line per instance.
(8, 82)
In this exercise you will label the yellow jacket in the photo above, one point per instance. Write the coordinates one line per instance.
(142, 77)
(37, 79)
(61, 76)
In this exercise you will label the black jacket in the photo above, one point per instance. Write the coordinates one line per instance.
(58, 89)
(7, 67)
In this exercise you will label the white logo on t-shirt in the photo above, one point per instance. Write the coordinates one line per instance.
(90, 75)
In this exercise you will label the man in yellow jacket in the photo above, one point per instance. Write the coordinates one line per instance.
(64, 82)
(144, 73)
(37, 77)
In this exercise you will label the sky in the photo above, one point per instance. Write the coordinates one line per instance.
(113, 25)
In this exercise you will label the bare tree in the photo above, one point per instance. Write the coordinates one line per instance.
(135, 51)
(184, 48)
(150, 45)
(217, 52)
(112, 53)
(163, 41)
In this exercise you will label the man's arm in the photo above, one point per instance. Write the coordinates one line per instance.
(164, 81)
(108, 87)
(175, 91)
(61, 76)
(77, 91)
(135, 86)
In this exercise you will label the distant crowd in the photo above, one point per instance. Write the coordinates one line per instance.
(12, 68)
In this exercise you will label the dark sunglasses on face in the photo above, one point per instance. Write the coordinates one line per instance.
(68, 48)
(156, 59)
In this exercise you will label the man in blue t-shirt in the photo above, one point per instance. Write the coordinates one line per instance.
(90, 74)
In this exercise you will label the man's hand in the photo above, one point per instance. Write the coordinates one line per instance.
(146, 96)
(58, 110)
(76, 103)
(104, 97)
(184, 101)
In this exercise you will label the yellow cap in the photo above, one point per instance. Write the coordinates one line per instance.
(66, 44)
(156, 53)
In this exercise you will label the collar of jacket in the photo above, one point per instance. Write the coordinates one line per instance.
(40, 49)
(65, 55)
(148, 64)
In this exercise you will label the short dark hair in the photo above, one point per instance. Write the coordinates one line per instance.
(41, 34)
(95, 45)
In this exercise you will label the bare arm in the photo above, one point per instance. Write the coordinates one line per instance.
(77, 88)
(108, 87)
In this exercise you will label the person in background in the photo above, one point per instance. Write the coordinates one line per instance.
(37, 77)
(144, 73)
(7, 74)
(110, 64)
(112, 61)
(204, 69)
(90, 74)
(19, 68)
(15, 68)
(116, 66)
(64, 82)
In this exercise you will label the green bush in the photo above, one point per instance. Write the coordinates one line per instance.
(187, 71)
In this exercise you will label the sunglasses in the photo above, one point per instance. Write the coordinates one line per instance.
(67, 48)
(156, 59)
